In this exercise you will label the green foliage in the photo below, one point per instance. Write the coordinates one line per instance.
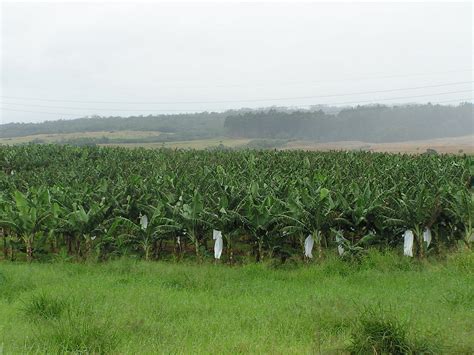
(132, 306)
(387, 124)
(457, 298)
(13, 288)
(44, 306)
(180, 127)
(87, 202)
(79, 333)
(378, 332)
(266, 143)
(463, 262)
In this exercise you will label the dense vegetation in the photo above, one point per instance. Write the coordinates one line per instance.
(365, 123)
(182, 126)
(91, 202)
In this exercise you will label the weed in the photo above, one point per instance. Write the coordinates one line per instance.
(44, 306)
(458, 298)
(376, 331)
(82, 335)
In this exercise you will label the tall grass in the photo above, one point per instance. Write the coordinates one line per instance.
(376, 331)
(43, 306)
(382, 303)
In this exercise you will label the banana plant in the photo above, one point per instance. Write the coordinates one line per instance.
(312, 211)
(260, 215)
(351, 250)
(267, 199)
(227, 200)
(418, 208)
(364, 210)
(3, 215)
(83, 223)
(144, 232)
(461, 211)
(194, 219)
(28, 216)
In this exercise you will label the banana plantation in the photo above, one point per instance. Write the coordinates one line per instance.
(103, 203)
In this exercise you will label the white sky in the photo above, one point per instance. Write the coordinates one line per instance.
(191, 56)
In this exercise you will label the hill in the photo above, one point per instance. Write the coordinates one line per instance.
(374, 123)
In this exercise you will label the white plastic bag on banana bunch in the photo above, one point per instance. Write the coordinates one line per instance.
(144, 221)
(408, 243)
(308, 246)
(219, 244)
(427, 236)
(340, 248)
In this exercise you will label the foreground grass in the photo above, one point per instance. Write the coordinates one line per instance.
(138, 307)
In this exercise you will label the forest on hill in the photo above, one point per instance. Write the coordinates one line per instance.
(370, 123)
(364, 123)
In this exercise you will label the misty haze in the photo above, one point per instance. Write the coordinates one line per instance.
(238, 75)
(236, 177)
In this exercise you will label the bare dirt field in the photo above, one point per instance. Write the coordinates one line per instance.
(453, 145)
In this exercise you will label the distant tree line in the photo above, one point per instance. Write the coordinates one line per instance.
(194, 125)
(375, 123)
(363, 123)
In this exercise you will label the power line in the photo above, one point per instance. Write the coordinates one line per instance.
(190, 111)
(42, 112)
(89, 108)
(234, 101)
(162, 110)
(344, 78)
(397, 98)
(335, 80)
(460, 101)
(456, 100)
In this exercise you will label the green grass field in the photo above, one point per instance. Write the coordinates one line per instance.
(57, 137)
(192, 144)
(127, 306)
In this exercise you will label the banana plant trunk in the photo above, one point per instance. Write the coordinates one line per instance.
(69, 244)
(419, 239)
(5, 247)
(193, 237)
(317, 238)
(88, 246)
(178, 248)
(29, 247)
(196, 246)
(230, 251)
(469, 230)
(78, 247)
(259, 249)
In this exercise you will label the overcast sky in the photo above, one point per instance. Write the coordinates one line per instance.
(66, 60)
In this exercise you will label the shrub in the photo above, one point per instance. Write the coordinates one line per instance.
(377, 332)
(462, 262)
(386, 260)
(71, 327)
(11, 288)
(44, 306)
(83, 335)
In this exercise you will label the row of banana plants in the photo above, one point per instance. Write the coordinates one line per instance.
(108, 202)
